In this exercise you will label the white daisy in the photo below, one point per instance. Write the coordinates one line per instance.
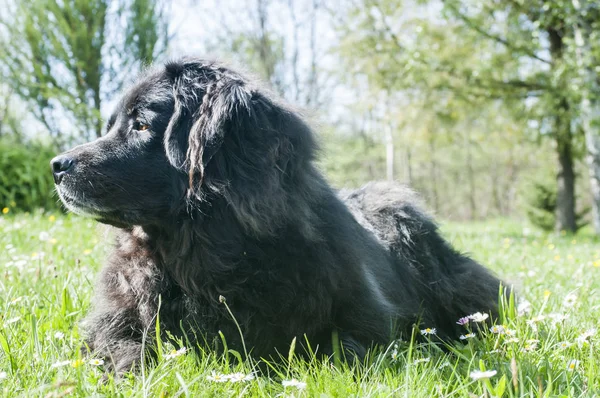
(96, 362)
(217, 377)
(294, 383)
(478, 374)
(572, 365)
(428, 331)
(478, 317)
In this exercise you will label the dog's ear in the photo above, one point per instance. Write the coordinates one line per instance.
(265, 146)
(205, 100)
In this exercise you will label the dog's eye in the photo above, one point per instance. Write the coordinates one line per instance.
(140, 126)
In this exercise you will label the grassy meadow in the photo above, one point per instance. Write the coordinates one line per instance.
(547, 346)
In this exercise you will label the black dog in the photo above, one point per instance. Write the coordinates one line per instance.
(213, 184)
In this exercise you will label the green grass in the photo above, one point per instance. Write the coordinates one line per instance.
(49, 262)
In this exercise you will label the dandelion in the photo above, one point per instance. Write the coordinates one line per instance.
(478, 317)
(551, 246)
(77, 363)
(547, 294)
(428, 331)
(570, 300)
(217, 377)
(87, 251)
(466, 336)
(52, 218)
(497, 329)
(60, 364)
(478, 374)
(176, 353)
(5, 210)
(463, 321)
(294, 383)
(572, 365)
(96, 362)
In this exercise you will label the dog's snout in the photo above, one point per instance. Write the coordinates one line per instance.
(60, 166)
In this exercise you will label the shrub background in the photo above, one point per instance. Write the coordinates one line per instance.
(25, 178)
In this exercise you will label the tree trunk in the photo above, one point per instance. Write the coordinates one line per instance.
(389, 154)
(433, 173)
(470, 176)
(565, 179)
(590, 106)
(565, 194)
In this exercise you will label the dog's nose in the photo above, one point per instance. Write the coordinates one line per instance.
(60, 166)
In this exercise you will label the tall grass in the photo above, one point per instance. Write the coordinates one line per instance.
(548, 348)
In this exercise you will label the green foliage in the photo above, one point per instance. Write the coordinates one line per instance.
(63, 58)
(48, 265)
(26, 181)
(541, 206)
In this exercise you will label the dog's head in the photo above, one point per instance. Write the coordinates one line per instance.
(187, 133)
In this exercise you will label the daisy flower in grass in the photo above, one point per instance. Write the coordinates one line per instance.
(3, 375)
(510, 332)
(570, 300)
(466, 336)
(572, 365)
(96, 362)
(463, 321)
(531, 345)
(60, 364)
(294, 383)
(478, 317)
(584, 337)
(238, 377)
(176, 353)
(478, 374)
(524, 308)
(558, 318)
(428, 331)
(217, 377)
(497, 329)
(422, 360)
(564, 344)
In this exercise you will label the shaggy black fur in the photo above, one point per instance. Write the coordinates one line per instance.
(213, 184)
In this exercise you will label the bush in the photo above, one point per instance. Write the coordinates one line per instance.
(25, 178)
(541, 206)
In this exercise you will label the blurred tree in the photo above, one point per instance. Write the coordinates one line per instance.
(70, 55)
(510, 51)
(586, 28)
(277, 40)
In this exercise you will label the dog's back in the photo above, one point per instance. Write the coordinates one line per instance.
(452, 285)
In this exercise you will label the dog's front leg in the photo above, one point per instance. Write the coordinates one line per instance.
(123, 317)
